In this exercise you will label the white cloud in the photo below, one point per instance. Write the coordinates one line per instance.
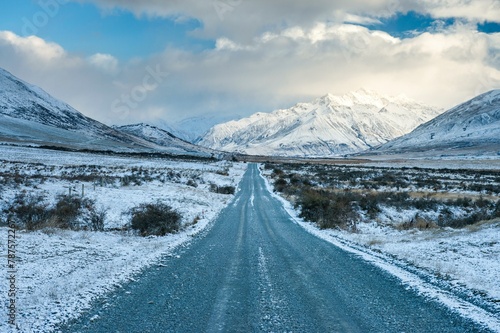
(242, 20)
(363, 20)
(106, 62)
(476, 10)
(42, 51)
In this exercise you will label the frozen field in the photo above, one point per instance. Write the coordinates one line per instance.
(60, 272)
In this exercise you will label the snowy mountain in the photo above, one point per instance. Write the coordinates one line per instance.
(193, 128)
(29, 115)
(330, 125)
(469, 128)
(164, 138)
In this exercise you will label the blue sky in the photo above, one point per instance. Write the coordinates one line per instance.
(86, 29)
(251, 56)
(407, 24)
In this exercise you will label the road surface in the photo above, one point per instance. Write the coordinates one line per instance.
(256, 270)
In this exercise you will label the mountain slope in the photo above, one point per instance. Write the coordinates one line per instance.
(330, 125)
(164, 138)
(471, 127)
(28, 115)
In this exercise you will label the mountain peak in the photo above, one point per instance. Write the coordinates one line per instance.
(330, 125)
(472, 127)
(364, 97)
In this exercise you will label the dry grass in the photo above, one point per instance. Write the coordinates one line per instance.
(417, 223)
(482, 224)
(374, 241)
(443, 196)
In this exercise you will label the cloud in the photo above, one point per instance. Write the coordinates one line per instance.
(273, 69)
(42, 50)
(242, 20)
(475, 11)
(105, 62)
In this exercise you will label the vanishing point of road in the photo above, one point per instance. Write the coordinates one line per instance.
(255, 270)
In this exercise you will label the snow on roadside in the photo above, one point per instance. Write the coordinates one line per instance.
(469, 257)
(60, 272)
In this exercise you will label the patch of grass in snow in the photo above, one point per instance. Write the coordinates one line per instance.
(343, 196)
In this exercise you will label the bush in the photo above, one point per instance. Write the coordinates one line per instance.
(227, 189)
(328, 210)
(222, 189)
(191, 183)
(156, 219)
(69, 212)
(97, 218)
(77, 213)
(66, 212)
(28, 211)
(280, 184)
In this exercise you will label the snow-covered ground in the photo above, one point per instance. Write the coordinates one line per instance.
(410, 160)
(60, 272)
(467, 260)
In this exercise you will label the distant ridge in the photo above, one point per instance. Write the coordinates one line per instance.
(471, 128)
(328, 126)
(164, 138)
(30, 116)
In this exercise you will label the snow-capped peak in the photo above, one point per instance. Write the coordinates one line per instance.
(329, 125)
(363, 97)
(472, 127)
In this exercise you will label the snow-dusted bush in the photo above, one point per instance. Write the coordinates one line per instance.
(222, 189)
(329, 210)
(156, 219)
(28, 211)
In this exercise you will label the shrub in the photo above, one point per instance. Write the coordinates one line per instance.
(227, 189)
(156, 219)
(97, 218)
(369, 203)
(191, 183)
(328, 210)
(417, 223)
(280, 184)
(69, 212)
(277, 172)
(28, 211)
(222, 189)
(66, 211)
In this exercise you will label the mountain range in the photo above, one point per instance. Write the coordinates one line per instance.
(164, 139)
(29, 115)
(328, 126)
(361, 122)
(471, 128)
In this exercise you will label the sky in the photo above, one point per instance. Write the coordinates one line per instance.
(127, 61)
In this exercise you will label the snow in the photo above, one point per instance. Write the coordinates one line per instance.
(28, 115)
(468, 259)
(60, 272)
(330, 125)
(473, 124)
(166, 139)
(437, 162)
